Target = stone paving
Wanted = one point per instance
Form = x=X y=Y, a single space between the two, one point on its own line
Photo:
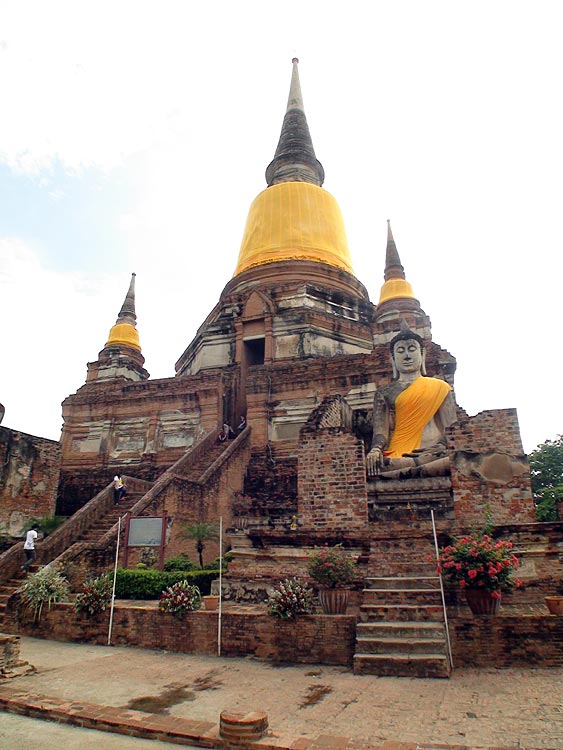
x=309 y=707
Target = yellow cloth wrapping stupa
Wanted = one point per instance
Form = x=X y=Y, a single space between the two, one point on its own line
x=294 y=221
x=124 y=333
x=414 y=408
x=395 y=288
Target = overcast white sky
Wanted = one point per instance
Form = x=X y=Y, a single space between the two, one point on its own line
x=134 y=137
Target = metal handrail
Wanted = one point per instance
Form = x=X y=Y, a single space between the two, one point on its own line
x=442 y=590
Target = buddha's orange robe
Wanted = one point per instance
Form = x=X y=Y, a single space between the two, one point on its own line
x=414 y=408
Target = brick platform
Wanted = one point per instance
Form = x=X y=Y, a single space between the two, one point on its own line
x=128 y=691
x=184 y=731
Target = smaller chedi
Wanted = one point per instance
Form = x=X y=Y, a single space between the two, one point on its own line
x=410 y=415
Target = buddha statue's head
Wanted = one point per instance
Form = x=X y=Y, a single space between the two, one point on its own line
x=408 y=354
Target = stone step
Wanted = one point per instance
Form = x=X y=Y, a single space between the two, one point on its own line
x=391 y=569
x=402 y=582
x=6 y=589
x=402 y=596
x=401 y=612
x=402 y=665
x=400 y=629
x=367 y=645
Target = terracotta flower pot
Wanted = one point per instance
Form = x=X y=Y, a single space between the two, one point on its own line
x=210 y=603
x=334 y=601
x=482 y=602
x=555 y=605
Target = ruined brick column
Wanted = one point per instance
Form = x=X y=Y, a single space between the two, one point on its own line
x=332 y=493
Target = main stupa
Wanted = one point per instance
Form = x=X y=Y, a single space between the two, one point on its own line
x=292 y=328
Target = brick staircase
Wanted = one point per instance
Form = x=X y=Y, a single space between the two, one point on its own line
x=401 y=631
x=203 y=461
x=6 y=591
x=104 y=523
x=95 y=523
x=93 y=533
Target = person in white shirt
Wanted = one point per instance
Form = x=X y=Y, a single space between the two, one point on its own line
x=29 y=549
x=118 y=488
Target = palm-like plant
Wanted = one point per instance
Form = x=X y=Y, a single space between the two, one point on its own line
x=201 y=533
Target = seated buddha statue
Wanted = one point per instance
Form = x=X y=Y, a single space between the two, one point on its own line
x=410 y=416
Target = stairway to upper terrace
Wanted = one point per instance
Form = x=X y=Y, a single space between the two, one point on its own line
x=93 y=528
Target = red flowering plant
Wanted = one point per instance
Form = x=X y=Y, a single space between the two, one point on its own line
x=180 y=598
x=289 y=598
x=477 y=561
x=331 y=567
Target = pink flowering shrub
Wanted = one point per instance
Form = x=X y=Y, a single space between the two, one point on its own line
x=477 y=561
x=180 y=598
x=291 y=597
x=330 y=567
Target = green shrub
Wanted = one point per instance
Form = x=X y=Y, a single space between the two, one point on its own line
x=227 y=557
x=46 y=524
x=132 y=583
x=180 y=562
x=48 y=586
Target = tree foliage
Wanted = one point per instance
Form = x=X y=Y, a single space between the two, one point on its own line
x=201 y=533
x=546 y=469
x=47 y=524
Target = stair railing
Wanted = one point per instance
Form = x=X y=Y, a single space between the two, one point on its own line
x=442 y=590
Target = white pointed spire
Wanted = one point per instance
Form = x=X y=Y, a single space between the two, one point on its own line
x=295 y=99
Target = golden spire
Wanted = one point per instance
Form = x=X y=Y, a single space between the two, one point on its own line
x=395 y=286
x=124 y=332
x=294 y=218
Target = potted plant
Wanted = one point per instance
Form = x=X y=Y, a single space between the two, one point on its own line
x=482 y=567
x=554 y=603
x=332 y=570
x=289 y=598
x=210 y=602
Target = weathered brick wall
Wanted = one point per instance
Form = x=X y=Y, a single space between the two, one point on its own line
x=491 y=430
x=139 y=428
x=271 y=482
x=515 y=641
x=9 y=652
x=29 y=475
x=331 y=471
x=189 y=502
x=489 y=469
x=502 y=641
x=474 y=497
x=257 y=569
x=311 y=639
